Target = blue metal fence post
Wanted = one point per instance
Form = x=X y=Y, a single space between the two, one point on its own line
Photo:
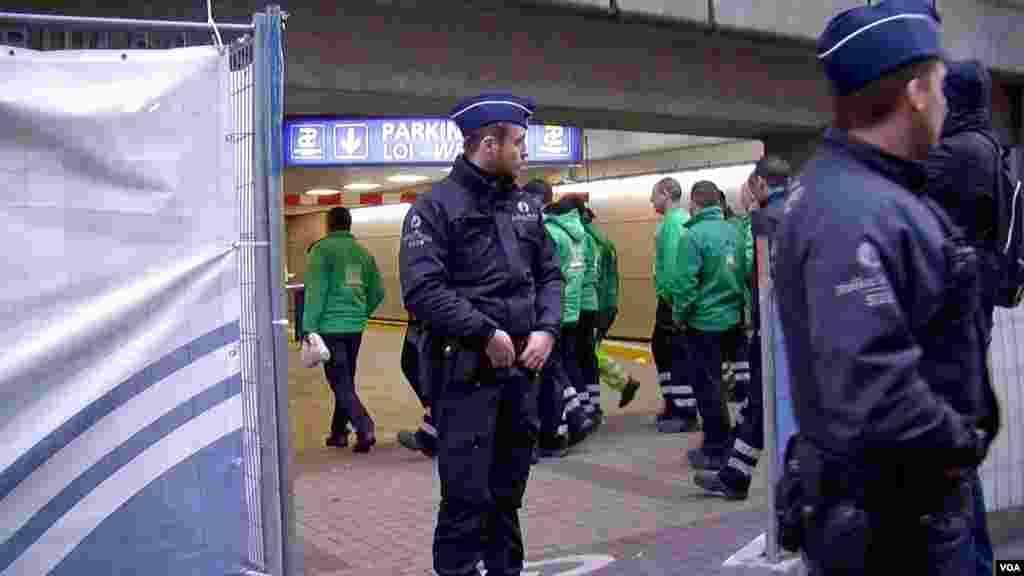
x=283 y=557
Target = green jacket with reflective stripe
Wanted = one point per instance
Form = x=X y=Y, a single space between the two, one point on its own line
x=568 y=234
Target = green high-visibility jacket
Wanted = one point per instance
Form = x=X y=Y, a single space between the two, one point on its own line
x=566 y=230
x=342 y=286
x=708 y=294
x=666 y=248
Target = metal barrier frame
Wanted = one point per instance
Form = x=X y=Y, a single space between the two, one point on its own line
x=260 y=250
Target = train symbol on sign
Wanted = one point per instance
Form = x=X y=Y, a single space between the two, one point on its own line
x=351 y=142
x=555 y=141
x=308 y=141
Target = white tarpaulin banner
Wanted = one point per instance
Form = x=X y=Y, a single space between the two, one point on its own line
x=120 y=406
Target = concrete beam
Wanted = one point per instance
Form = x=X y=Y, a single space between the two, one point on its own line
x=984 y=30
x=590 y=70
x=690 y=11
x=799 y=19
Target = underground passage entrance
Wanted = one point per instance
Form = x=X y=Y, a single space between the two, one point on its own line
x=378 y=166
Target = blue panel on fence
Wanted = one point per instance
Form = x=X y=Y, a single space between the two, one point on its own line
x=784 y=418
x=189 y=521
x=407 y=142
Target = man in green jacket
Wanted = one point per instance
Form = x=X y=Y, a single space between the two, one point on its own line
x=707 y=300
x=680 y=413
x=610 y=372
x=343 y=287
x=561 y=415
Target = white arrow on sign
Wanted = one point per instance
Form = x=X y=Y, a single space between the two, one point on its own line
x=350 y=144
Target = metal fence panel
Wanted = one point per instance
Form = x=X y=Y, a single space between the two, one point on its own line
x=253 y=97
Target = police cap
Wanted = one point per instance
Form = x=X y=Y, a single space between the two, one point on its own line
x=491 y=108
x=862 y=44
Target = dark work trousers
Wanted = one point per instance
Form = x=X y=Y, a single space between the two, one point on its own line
x=572 y=380
x=341 y=375
x=488 y=428
x=705 y=354
x=908 y=536
x=591 y=392
x=570 y=359
x=680 y=387
x=551 y=400
x=734 y=358
x=663 y=350
x=748 y=435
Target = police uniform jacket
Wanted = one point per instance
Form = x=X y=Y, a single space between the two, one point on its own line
x=475 y=257
x=887 y=368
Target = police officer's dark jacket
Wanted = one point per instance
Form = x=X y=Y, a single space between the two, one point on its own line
x=475 y=257
x=887 y=367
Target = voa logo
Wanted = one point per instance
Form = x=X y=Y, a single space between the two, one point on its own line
x=1010 y=567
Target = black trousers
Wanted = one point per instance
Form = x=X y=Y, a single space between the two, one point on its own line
x=666 y=360
x=567 y=345
x=748 y=441
x=706 y=376
x=587 y=358
x=341 y=375
x=488 y=427
x=572 y=382
x=551 y=400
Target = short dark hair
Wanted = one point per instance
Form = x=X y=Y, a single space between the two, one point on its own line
x=671 y=187
x=540 y=190
x=704 y=193
x=876 y=102
x=472 y=140
x=774 y=170
x=339 y=218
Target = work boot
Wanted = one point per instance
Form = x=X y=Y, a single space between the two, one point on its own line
x=418 y=442
x=668 y=423
x=364 y=443
x=337 y=441
x=701 y=460
x=712 y=482
x=557 y=449
x=629 y=392
x=585 y=429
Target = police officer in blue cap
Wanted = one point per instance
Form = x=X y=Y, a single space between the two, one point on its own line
x=479 y=271
x=877 y=290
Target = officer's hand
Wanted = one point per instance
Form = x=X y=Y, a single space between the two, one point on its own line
x=500 y=350
x=537 y=349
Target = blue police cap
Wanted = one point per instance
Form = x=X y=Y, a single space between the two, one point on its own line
x=491 y=108
x=863 y=44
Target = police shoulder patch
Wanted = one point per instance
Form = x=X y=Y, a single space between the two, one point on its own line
x=868 y=257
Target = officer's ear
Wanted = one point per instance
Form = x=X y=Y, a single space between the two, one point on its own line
x=919 y=90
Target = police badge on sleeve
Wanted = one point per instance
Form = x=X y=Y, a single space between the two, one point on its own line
x=412 y=235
